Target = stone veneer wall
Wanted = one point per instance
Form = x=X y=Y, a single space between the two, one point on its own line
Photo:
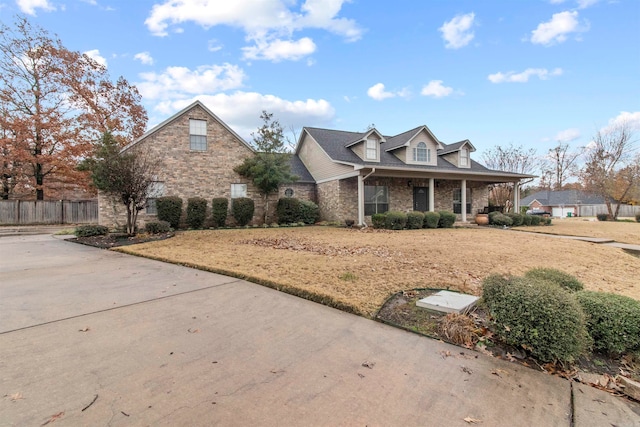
x=338 y=200
x=187 y=173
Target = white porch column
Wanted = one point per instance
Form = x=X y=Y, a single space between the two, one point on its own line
x=463 y=199
x=360 y=200
x=516 y=197
x=432 y=199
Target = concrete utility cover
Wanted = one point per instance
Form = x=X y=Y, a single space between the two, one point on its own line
x=448 y=302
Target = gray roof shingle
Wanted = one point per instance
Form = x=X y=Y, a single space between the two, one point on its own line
x=563 y=197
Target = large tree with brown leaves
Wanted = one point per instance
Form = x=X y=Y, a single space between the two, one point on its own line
x=56 y=103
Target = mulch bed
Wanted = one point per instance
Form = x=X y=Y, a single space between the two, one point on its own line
x=114 y=240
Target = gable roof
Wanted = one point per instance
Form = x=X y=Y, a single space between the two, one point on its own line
x=563 y=197
x=300 y=170
x=456 y=146
x=180 y=113
x=335 y=145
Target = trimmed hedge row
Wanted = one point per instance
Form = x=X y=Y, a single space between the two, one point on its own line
x=516 y=220
x=547 y=313
x=396 y=220
x=292 y=211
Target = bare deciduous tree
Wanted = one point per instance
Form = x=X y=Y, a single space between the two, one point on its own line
x=563 y=164
x=610 y=171
x=512 y=158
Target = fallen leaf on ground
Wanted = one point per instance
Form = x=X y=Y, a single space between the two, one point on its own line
x=193 y=331
x=85 y=329
x=445 y=354
x=472 y=420
x=467 y=370
x=369 y=365
x=53 y=418
x=16 y=396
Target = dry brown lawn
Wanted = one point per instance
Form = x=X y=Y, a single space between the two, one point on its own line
x=358 y=270
x=623 y=232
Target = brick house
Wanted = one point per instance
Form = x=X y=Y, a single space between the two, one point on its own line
x=350 y=175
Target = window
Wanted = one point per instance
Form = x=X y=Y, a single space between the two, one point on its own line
x=152 y=209
x=421 y=153
x=156 y=189
x=238 y=190
x=464 y=156
x=371 y=149
x=198 y=135
x=457 y=201
x=376 y=199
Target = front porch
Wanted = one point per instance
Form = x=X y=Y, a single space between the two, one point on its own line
x=358 y=197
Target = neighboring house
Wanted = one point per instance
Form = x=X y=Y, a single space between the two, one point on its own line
x=566 y=203
x=350 y=175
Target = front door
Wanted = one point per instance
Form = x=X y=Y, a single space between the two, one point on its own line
x=421 y=199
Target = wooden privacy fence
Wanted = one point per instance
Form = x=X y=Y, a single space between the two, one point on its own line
x=593 y=210
x=24 y=212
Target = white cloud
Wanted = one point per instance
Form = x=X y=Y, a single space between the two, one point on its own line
x=181 y=82
x=378 y=92
x=523 y=77
x=144 y=57
x=29 y=6
x=241 y=110
x=277 y=50
x=583 y=4
x=557 y=29
x=436 y=89
x=268 y=23
x=567 y=135
x=95 y=55
x=625 y=117
x=457 y=32
x=214 y=45
x=556 y=1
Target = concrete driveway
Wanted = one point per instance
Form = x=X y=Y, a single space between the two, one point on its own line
x=93 y=337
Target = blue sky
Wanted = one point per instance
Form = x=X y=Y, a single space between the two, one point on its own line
x=530 y=72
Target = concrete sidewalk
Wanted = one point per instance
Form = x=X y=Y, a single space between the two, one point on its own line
x=161 y=344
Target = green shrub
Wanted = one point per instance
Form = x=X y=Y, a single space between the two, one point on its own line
x=502 y=220
x=415 y=220
x=492 y=215
x=288 y=210
x=170 y=210
x=242 y=209
x=638 y=217
x=535 y=220
x=516 y=219
x=395 y=220
x=526 y=220
x=447 y=219
x=90 y=230
x=378 y=220
x=602 y=217
x=560 y=278
x=157 y=227
x=613 y=321
x=547 y=220
x=196 y=212
x=219 y=211
x=537 y=316
x=309 y=212
x=431 y=219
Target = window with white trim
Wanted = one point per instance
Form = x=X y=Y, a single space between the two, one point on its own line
x=156 y=189
x=421 y=153
x=464 y=156
x=371 y=149
x=376 y=199
x=197 y=135
x=457 y=201
x=238 y=190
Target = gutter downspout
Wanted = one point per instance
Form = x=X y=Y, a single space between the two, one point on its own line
x=361 y=197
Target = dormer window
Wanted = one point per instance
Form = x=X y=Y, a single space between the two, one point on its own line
x=464 y=156
x=371 y=152
x=421 y=153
